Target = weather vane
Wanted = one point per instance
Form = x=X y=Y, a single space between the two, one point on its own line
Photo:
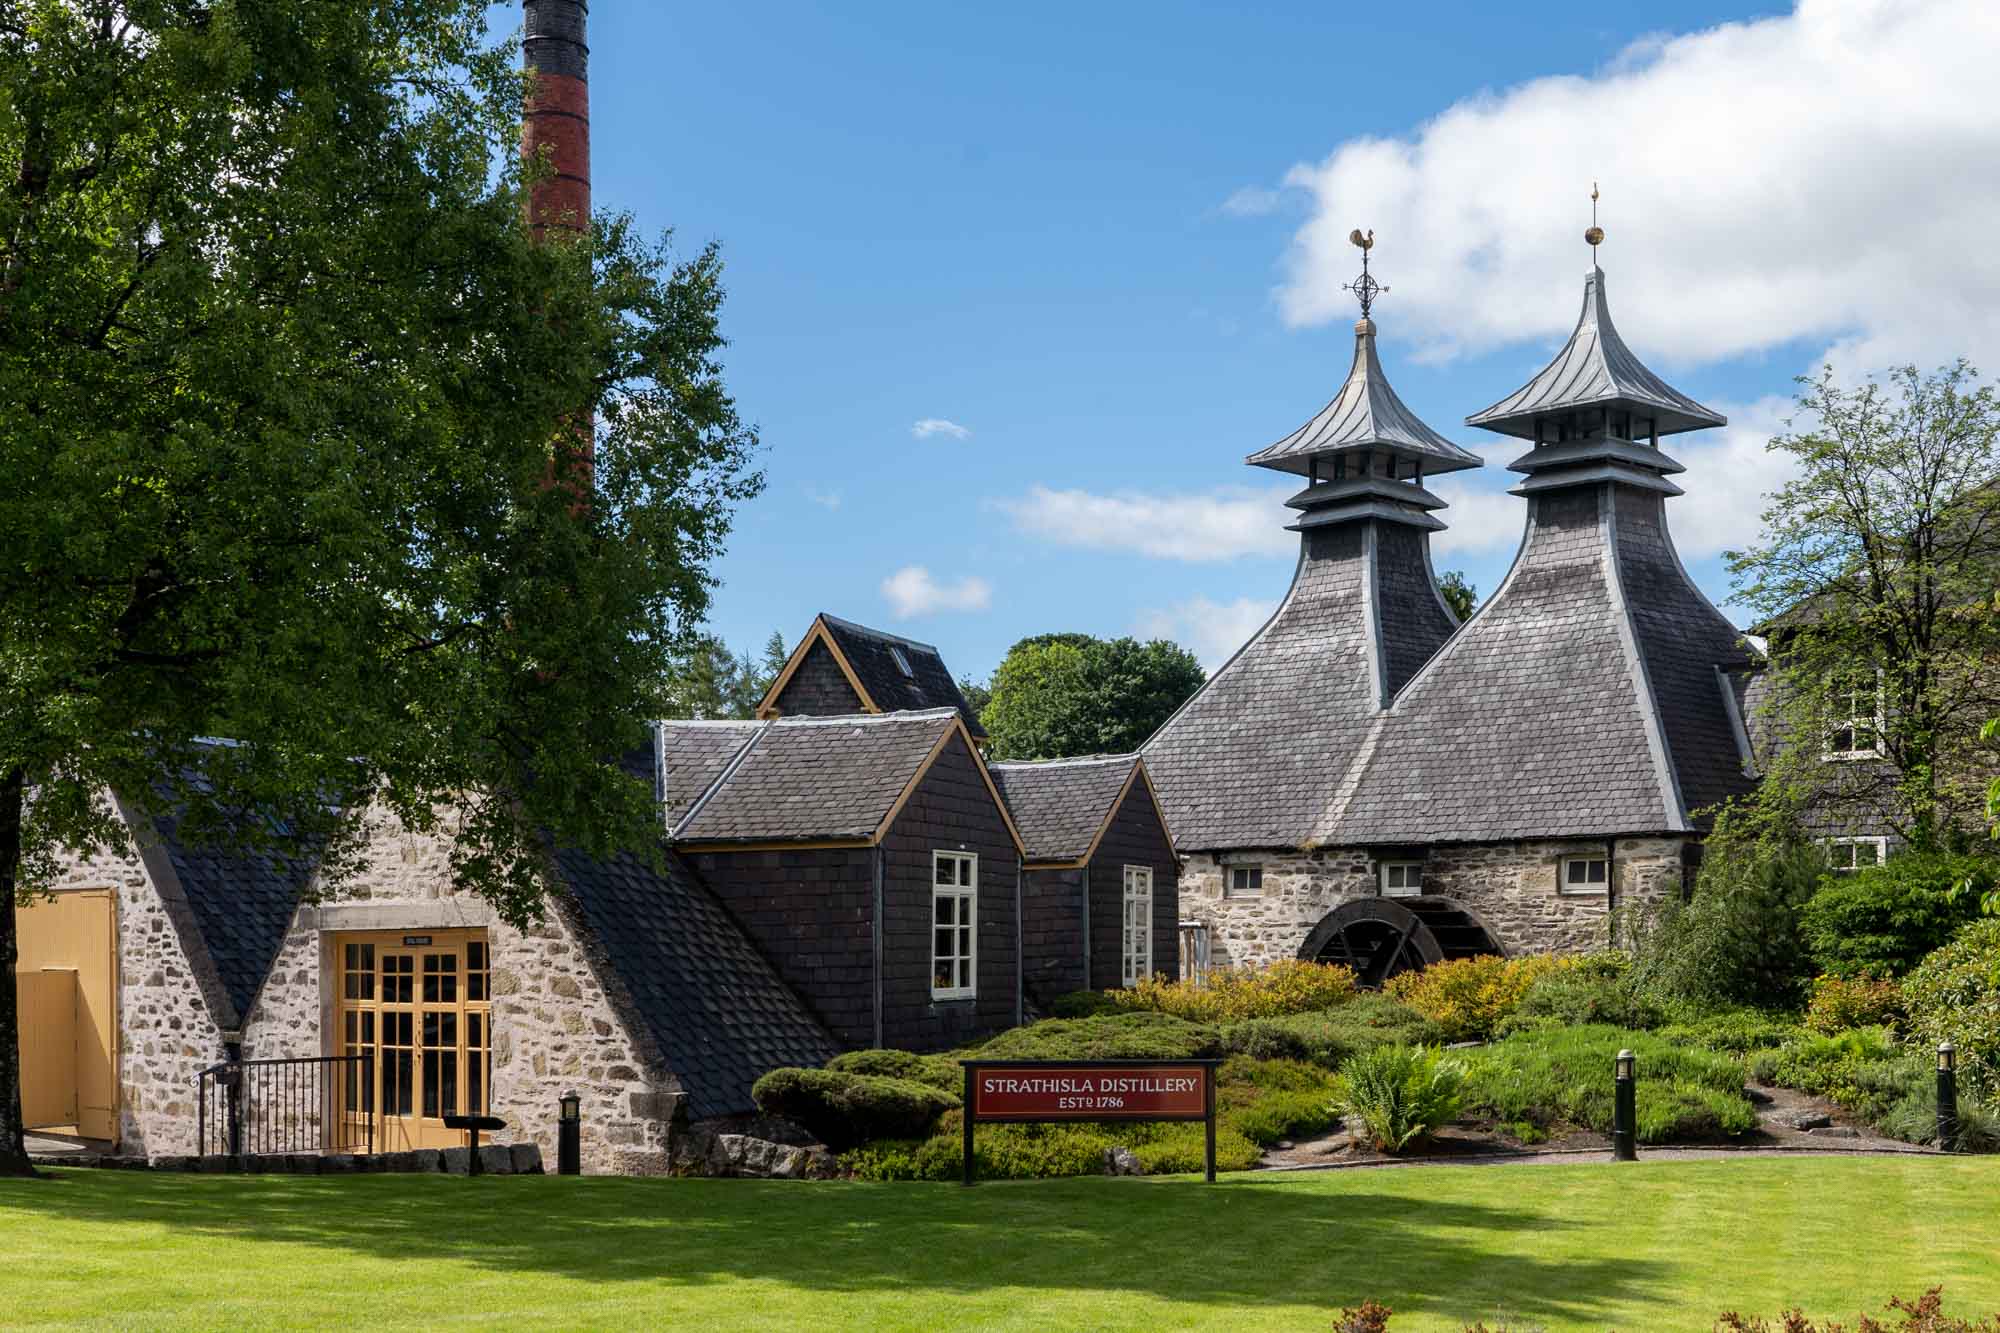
x=1364 y=286
x=1596 y=233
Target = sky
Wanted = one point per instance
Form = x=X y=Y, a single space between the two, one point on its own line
x=1013 y=290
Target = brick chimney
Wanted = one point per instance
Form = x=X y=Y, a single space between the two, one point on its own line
x=558 y=113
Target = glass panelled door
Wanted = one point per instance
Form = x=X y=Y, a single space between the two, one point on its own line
x=418 y=1004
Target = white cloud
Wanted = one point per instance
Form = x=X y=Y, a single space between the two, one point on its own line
x=1253 y=201
x=930 y=426
x=911 y=591
x=1479 y=521
x=1211 y=630
x=1729 y=477
x=1824 y=176
x=1221 y=524
x=824 y=499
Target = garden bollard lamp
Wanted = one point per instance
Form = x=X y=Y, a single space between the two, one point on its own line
x=1624 y=1109
x=1947 y=1097
x=569 y=1135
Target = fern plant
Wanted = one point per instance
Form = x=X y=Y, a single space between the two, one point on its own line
x=1401 y=1094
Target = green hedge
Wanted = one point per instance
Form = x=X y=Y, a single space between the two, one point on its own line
x=1954 y=995
x=843 y=1109
x=1595 y=989
x=1027 y=1152
x=1331 y=1037
x=1133 y=1036
x=1735 y=1031
x=939 y=1071
x=1550 y=1077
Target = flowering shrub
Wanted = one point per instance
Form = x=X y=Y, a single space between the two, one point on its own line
x=1840 y=1005
x=1291 y=986
x=1467 y=997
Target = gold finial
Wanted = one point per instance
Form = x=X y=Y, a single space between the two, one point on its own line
x=1364 y=286
x=1596 y=233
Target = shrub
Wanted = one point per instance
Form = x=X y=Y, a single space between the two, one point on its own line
x=1269 y=1100
x=1331 y=1037
x=1083 y=1004
x=939 y=1071
x=1595 y=989
x=1468 y=997
x=1289 y=986
x=1923 y=1315
x=1839 y=1005
x=1882 y=920
x=1738 y=940
x=1737 y=1031
x=1402 y=1093
x=1954 y=995
x=1913 y=1119
x=842 y=1109
x=1025 y=1152
x=1133 y=1036
x=1550 y=1077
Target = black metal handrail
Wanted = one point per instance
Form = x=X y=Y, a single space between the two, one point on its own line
x=313 y=1104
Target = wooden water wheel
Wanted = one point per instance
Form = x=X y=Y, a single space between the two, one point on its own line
x=1379 y=937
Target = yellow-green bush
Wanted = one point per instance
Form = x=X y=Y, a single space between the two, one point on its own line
x=1289 y=986
x=1841 y=1005
x=1467 y=997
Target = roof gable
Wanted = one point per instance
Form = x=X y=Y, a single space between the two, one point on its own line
x=1062 y=806
x=887 y=672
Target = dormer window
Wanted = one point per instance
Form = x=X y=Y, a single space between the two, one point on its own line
x=902 y=662
x=1855 y=716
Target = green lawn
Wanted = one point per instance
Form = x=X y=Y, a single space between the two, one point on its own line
x=1659 y=1245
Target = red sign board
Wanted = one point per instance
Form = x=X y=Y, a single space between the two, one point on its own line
x=1090 y=1092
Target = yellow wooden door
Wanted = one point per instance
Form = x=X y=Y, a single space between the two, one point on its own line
x=74 y=1044
x=48 y=1048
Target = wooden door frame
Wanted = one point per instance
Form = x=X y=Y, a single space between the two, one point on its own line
x=415 y=1130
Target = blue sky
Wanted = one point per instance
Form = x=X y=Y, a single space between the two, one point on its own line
x=1101 y=243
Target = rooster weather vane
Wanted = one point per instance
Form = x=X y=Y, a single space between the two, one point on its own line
x=1364 y=286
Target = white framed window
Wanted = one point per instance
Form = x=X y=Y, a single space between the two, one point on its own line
x=902 y=662
x=1856 y=717
x=1585 y=875
x=954 y=925
x=1402 y=879
x=1243 y=882
x=1847 y=855
x=1138 y=937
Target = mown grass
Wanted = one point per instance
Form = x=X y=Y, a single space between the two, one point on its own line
x=1656 y=1245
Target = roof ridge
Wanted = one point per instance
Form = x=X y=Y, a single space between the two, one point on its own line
x=859 y=719
x=709 y=722
x=1074 y=760
x=882 y=634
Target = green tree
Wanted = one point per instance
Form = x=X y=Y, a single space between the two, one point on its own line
x=281 y=382
x=977 y=694
x=1057 y=695
x=1459 y=594
x=1875 y=581
x=708 y=681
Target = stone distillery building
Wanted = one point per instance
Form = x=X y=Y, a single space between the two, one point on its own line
x=1369 y=781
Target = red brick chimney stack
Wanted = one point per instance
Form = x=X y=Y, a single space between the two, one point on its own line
x=558 y=113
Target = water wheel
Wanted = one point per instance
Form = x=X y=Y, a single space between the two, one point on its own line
x=1379 y=937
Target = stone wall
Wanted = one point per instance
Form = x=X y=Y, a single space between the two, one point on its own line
x=1509 y=887
x=166 y=1035
x=554 y=1027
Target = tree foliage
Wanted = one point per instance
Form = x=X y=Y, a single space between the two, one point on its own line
x=1059 y=695
x=283 y=385
x=1459 y=594
x=1876 y=580
x=709 y=681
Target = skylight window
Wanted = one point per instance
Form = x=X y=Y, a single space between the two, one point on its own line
x=902 y=662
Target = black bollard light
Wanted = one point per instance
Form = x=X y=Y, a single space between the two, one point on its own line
x=1947 y=1097
x=1625 y=1109
x=569 y=1135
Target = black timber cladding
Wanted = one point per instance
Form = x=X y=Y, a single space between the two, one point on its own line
x=1059 y=805
x=818 y=688
x=1052 y=933
x=1136 y=838
x=928 y=684
x=952 y=809
x=715 y=1008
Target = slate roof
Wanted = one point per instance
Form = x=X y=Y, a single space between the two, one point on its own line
x=815 y=778
x=1060 y=805
x=713 y=1006
x=1595 y=369
x=695 y=755
x=1253 y=759
x=928 y=684
x=1365 y=414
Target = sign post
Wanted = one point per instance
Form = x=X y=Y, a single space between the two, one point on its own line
x=1048 y=1091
